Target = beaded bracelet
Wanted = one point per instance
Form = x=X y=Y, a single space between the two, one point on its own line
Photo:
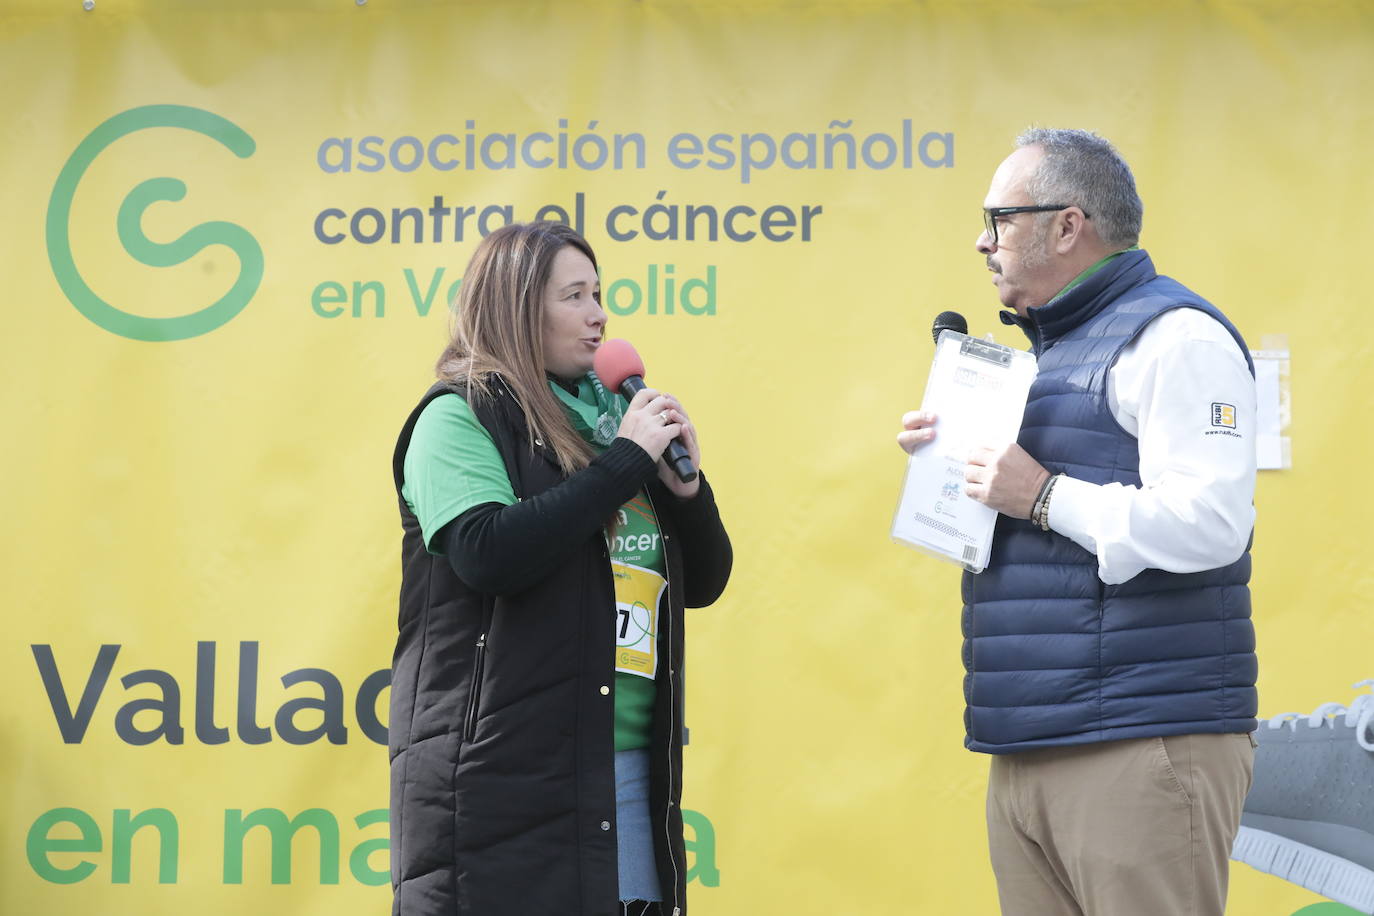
x=1040 y=512
x=1039 y=500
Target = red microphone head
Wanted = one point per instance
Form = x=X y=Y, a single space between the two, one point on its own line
x=616 y=361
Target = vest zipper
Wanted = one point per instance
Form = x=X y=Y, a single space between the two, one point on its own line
x=1038 y=340
x=475 y=692
x=672 y=703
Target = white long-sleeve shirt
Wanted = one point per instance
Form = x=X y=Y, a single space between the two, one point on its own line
x=1183 y=389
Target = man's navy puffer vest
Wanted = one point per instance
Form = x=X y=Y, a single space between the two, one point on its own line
x=1054 y=656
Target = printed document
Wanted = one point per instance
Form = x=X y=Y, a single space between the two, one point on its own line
x=977 y=391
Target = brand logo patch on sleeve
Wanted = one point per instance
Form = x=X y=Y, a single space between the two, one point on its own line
x=1223 y=415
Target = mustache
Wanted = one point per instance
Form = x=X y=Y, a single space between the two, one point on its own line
x=993 y=265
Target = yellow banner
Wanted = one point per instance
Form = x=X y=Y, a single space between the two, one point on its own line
x=232 y=234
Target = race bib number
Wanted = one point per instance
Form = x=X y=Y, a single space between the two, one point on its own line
x=637 y=591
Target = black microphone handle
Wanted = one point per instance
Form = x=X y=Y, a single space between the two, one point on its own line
x=676 y=453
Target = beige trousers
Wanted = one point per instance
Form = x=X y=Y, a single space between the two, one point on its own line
x=1141 y=827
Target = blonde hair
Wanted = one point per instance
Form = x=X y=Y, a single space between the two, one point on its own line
x=497 y=331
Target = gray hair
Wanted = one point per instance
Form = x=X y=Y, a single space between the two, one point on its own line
x=1084 y=170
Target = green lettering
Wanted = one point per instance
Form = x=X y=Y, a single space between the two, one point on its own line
x=611 y=297
x=358 y=864
x=423 y=303
x=708 y=287
x=40 y=845
x=328 y=293
x=282 y=831
x=703 y=844
x=121 y=843
x=378 y=297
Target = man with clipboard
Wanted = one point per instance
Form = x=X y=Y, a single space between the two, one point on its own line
x=1109 y=647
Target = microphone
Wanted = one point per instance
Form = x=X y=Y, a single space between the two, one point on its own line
x=948 y=321
x=620 y=369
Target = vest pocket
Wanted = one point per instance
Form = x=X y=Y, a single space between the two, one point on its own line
x=475 y=691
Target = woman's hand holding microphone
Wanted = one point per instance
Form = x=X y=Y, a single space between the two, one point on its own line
x=651 y=422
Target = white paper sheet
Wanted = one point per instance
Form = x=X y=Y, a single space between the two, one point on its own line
x=978 y=401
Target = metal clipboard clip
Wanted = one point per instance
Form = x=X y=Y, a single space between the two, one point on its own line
x=993 y=353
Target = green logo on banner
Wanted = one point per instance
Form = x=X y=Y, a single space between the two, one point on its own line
x=143 y=249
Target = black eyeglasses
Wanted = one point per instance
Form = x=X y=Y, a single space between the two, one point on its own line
x=991 y=214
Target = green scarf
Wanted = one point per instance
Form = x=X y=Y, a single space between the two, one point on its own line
x=1094 y=269
x=594 y=412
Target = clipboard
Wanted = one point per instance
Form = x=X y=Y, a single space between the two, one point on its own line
x=977 y=390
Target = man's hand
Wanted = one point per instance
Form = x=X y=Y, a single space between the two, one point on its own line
x=917 y=430
x=1007 y=479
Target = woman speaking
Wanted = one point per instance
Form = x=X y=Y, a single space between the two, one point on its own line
x=548 y=553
